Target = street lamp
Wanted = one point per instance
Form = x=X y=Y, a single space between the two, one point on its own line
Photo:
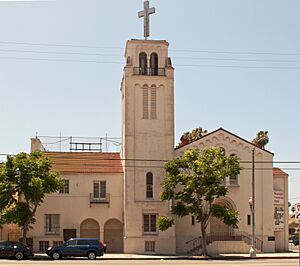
x=252 y=251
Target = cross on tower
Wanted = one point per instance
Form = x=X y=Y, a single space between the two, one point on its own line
x=146 y=13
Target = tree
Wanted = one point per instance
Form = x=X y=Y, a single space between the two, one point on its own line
x=188 y=137
x=25 y=179
x=261 y=139
x=194 y=181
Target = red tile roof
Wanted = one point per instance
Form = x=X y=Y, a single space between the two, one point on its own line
x=278 y=172
x=85 y=162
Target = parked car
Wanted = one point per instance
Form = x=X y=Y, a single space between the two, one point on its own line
x=77 y=247
x=17 y=250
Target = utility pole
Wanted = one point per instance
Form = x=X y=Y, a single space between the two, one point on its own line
x=252 y=251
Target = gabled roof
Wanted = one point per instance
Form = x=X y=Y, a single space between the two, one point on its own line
x=85 y=162
x=228 y=132
x=278 y=172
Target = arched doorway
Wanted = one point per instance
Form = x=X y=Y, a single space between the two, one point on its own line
x=218 y=230
x=113 y=236
x=90 y=228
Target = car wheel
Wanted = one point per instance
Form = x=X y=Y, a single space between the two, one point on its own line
x=55 y=255
x=19 y=255
x=92 y=255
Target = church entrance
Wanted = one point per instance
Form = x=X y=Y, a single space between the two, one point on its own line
x=113 y=236
x=218 y=230
x=90 y=228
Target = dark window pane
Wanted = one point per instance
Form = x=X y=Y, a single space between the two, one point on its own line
x=153 y=223
x=96 y=190
x=82 y=242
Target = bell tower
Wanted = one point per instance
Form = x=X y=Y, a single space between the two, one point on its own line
x=147 y=90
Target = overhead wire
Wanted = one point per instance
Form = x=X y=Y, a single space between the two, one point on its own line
x=172 y=50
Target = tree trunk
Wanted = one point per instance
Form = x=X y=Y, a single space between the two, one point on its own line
x=24 y=237
x=203 y=233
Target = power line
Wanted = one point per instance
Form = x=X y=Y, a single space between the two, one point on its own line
x=173 y=50
x=121 y=63
x=82 y=156
x=175 y=57
x=241 y=67
x=62 y=45
x=53 y=52
x=237 y=59
x=61 y=60
x=236 y=52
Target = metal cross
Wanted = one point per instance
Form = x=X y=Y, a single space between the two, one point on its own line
x=146 y=13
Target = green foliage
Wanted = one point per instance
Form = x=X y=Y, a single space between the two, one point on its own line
x=188 y=137
x=227 y=215
x=194 y=181
x=25 y=179
x=261 y=139
x=19 y=215
x=163 y=223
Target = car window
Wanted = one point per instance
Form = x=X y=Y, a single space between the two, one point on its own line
x=71 y=242
x=2 y=244
x=93 y=242
x=82 y=242
x=10 y=244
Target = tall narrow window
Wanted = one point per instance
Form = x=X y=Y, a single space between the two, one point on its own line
x=153 y=102
x=99 y=189
x=52 y=224
x=154 y=64
x=149 y=224
x=143 y=63
x=145 y=102
x=248 y=219
x=149 y=185
x=65 y=189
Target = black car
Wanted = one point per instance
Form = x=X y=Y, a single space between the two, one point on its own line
x=77 y=247
x=17 y=250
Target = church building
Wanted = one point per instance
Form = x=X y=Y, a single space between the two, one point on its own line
x=114 y=196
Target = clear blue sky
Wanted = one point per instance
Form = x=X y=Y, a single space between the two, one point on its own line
x=247 y=80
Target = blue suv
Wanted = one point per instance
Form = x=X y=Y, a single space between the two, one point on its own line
x=77 y=247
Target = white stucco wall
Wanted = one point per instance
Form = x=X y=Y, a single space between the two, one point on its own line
x=239 y=195
x=75 y=207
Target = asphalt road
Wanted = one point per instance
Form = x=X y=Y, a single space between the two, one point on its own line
x=85 y=262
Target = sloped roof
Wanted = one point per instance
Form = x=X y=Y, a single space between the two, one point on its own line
x=278 y=172
x=228 y=132
x=85 y=162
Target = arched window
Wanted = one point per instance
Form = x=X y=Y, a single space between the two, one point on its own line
x=154 y=64
x=149 y=185
x=143 y=63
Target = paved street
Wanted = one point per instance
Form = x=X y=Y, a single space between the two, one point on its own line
x=84 y=262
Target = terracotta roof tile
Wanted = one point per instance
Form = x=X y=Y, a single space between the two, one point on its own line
x=85 y=162
x=277 y=171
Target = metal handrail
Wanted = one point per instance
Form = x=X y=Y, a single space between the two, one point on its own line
x=99 y=199
x=225 y=236
x=149 y=71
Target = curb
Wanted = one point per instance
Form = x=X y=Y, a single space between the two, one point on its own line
x=45 y=257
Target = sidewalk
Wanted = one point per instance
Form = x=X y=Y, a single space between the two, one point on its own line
x=111 y=256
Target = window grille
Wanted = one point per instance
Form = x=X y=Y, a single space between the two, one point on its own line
x=65 y=189
x=150 y=246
